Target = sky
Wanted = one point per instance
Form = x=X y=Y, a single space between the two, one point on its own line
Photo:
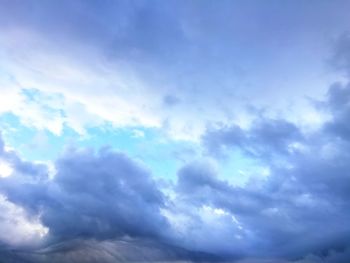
x=174 y=131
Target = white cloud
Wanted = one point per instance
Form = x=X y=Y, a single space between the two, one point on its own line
x=81 y=87
x=89 y=90
x=5 y=169
x=16 y=228
x=138 y=133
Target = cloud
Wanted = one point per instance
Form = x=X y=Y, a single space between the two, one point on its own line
x=298 y=212
x=301 y=207
x=111 y=251
x=98 y=207
x=340 y=59
x=338 y=105
x=17 y=228
x=265 y=139
x=106 y=195
x=126 y=63
x=153 y=65
x=279 y=218
x=171 y=100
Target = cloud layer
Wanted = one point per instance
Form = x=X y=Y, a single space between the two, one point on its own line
x=206 y=75
x=299 y=211
x=135 y=63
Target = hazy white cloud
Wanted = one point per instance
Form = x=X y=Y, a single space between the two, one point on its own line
x=118 y=74
x=17 y=229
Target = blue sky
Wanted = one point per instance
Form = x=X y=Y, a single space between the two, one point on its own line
x=208 y=130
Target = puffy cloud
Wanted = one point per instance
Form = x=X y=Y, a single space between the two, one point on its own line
x=106 y=195
x=299 y=212
x=97 y=207
x=281 y=217
x=301 y=207
x=17 y=228
x=80 y=68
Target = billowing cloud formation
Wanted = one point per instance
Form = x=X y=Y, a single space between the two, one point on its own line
x=91 y=198
x=94 y=196
x=131 y=63
x=306 y=191
x=299 y=212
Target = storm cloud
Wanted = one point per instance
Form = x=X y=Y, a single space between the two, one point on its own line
x=103 y=195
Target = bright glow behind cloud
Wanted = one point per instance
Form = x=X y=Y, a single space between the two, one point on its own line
x=17 y=229
x=5 y=169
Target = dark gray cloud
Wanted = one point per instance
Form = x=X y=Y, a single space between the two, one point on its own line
x=171 y=100
x=110 y=251
x=338 y=105
x=199 y=184
x=98 y=207
x=340 y=59
x=300 y=211
x=302 y=207
x=294 y=213
x=266 y=139
x=103 y=195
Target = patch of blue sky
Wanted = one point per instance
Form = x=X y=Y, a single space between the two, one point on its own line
x=239 y=169
x=163 y=157
x=49 y=102
x=30 y=143
x=160 y=154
